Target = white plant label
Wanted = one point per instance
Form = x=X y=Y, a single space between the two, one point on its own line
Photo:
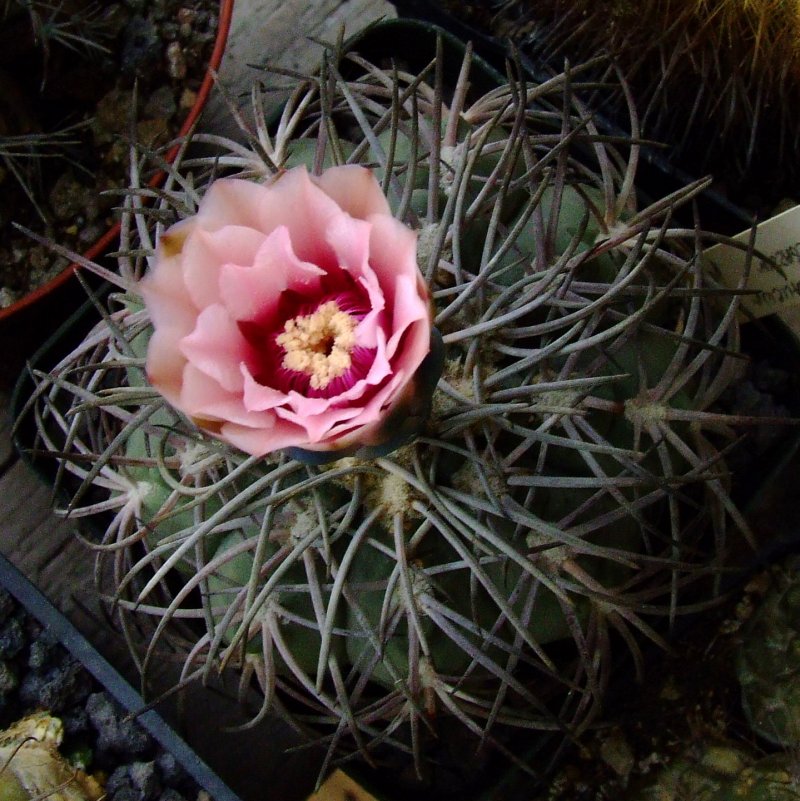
x=776 y=281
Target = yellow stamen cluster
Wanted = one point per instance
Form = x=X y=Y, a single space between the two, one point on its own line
x=319 y=344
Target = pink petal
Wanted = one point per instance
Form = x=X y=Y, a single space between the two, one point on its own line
x=409 y=308
x=318 y=426
x=205 y=252
x=349 y=239
x=231 y=201
x=217 y=347
x=361 y=429
x=354 y=189
x=371 y=327
x=208 y=400
x=252 y=292
x=305 y=406
x=367 y=331
x=165 y=362
x=392 y=253
x=294 y=201
x=259 y=442
x=163 y=288
x=291 y=199
x=257 y=397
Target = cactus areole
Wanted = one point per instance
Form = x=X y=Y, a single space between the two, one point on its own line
x=410 y=408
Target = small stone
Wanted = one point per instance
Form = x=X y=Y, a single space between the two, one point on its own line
x=42 y=650
x=161 y=103
x=791 y=599
x=115 y=734
x=9 y=680
x=57 y=688
x=176 y=61
x=90 y=233
x=40 y=259
x=112 y=116
x=758 y=585
x=7 y=605
x=172 y=772
x=8 y=297
x=75 y=721
x=170 y=31
x=186 y=15
x=188 y=99
x=724 y=760
x=152 y=132
x=144 y=780
x=42 y=265
x=170 y=794
x=117 y=780
x=670 y=691
x=617 y=754
x=12 y=638
x=141 y=46
x=124 y=794
x=159 y=9
x=68 y=197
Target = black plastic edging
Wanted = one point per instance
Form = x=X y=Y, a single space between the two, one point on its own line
x=69 y=636
x=498 y=50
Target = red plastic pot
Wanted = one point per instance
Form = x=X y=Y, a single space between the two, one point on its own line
x=25 y=324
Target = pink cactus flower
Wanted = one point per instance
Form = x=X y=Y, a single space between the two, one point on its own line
x=290 y=314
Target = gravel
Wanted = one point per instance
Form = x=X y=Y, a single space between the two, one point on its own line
x=37 y=673
x=162 y=46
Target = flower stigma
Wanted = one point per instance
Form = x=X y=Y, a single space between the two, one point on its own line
x=319 y=344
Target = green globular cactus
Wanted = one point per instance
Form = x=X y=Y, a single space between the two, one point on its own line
x=724 y=773
x=768 y=661
x=566 y=494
